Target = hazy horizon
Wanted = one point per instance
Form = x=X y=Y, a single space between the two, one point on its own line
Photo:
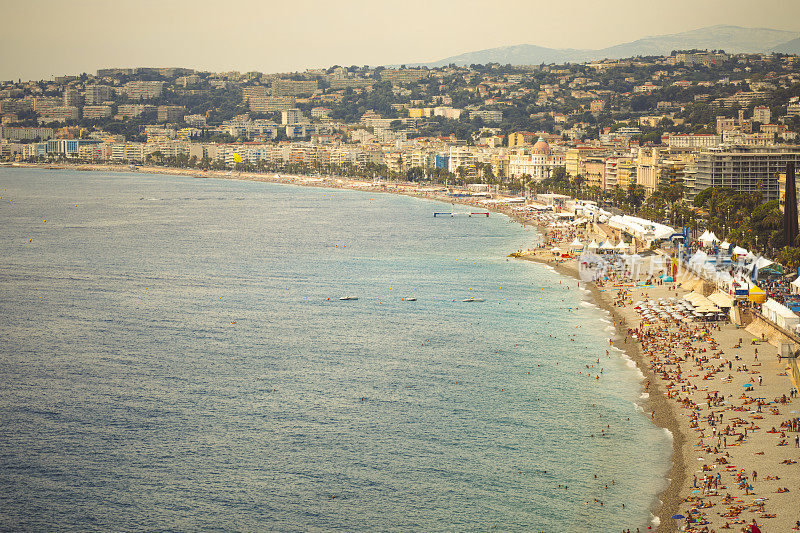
x=51 y=38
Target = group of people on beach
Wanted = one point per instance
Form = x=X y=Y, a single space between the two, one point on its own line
x=691 y=365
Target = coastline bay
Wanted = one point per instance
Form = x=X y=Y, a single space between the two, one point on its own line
x=172 y=360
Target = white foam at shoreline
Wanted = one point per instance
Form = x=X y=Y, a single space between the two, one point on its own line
x=644 y=396
x=631 y=364
x=654 y=520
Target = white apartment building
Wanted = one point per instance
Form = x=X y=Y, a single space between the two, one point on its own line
x=536 y=164
x=488 y=116
x=128 y=151
x=762 y=114
x=447 y=112
x=467 y=157
x=59 y=114
x=143 y=90
x=291 y=116
x=693 y=140
x=96 y=111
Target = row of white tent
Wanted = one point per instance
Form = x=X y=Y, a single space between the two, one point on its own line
x=642 y=229
x=780 y=314
x=706 y=265
x=606 y=246
x=708 y=238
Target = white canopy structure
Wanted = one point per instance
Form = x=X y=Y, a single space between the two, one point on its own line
x=641 y=228
x=722 y=300
x=738 y=250
x=780 y=314
x=592 y=245
x=725 y=245
x=622 y=246
x=607 y=245
x=576 y=244
x=708 y=238
x=794 y=286
x=759 y=263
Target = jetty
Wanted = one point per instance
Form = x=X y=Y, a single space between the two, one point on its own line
x=463 y=214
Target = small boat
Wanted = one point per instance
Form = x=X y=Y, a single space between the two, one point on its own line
x=349 y=298
x=412 y=299
x=474 y=300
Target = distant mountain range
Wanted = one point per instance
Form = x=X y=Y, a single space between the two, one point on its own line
x=731 y=39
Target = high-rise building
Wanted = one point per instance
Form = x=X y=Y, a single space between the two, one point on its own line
x=134 y=110
x=744 y=169
x=293 y=87
x=269 y=104
x=521 y=138
x=291 y=116
x=25 y=134
x=488 y=116
x=171 y=113
x=408 y=75
x=96 y=111
x=762 y=114
x=254 y=91
x=73 y=97
x=43 y=103
x=97 y=94
x=143 y=90
x=59 y=114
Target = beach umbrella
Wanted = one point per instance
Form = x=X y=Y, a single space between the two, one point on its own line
x=678 y=517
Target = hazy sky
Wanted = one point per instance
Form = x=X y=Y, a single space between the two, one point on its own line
x=42 y=38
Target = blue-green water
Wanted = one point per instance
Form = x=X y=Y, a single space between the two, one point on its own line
x=175 y=356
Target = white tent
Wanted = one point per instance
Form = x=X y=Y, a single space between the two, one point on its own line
x=699 y=257
x=780 y=314
x=607 y=245
x=708 y=238
x=592 y=245
x=725 y=245
x=759 y=263
x=576 y=243
x=738 y=250
x=795 y=286
x=622 y=245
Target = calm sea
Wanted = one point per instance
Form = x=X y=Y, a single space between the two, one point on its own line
x=175 y=356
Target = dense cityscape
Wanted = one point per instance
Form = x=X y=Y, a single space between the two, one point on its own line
x=636 y=134
x=260 y=281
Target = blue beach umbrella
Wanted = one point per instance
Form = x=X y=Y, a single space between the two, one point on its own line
x=678 y=516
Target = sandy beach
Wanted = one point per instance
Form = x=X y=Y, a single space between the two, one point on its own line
x=718 y=388
x=725 y=396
